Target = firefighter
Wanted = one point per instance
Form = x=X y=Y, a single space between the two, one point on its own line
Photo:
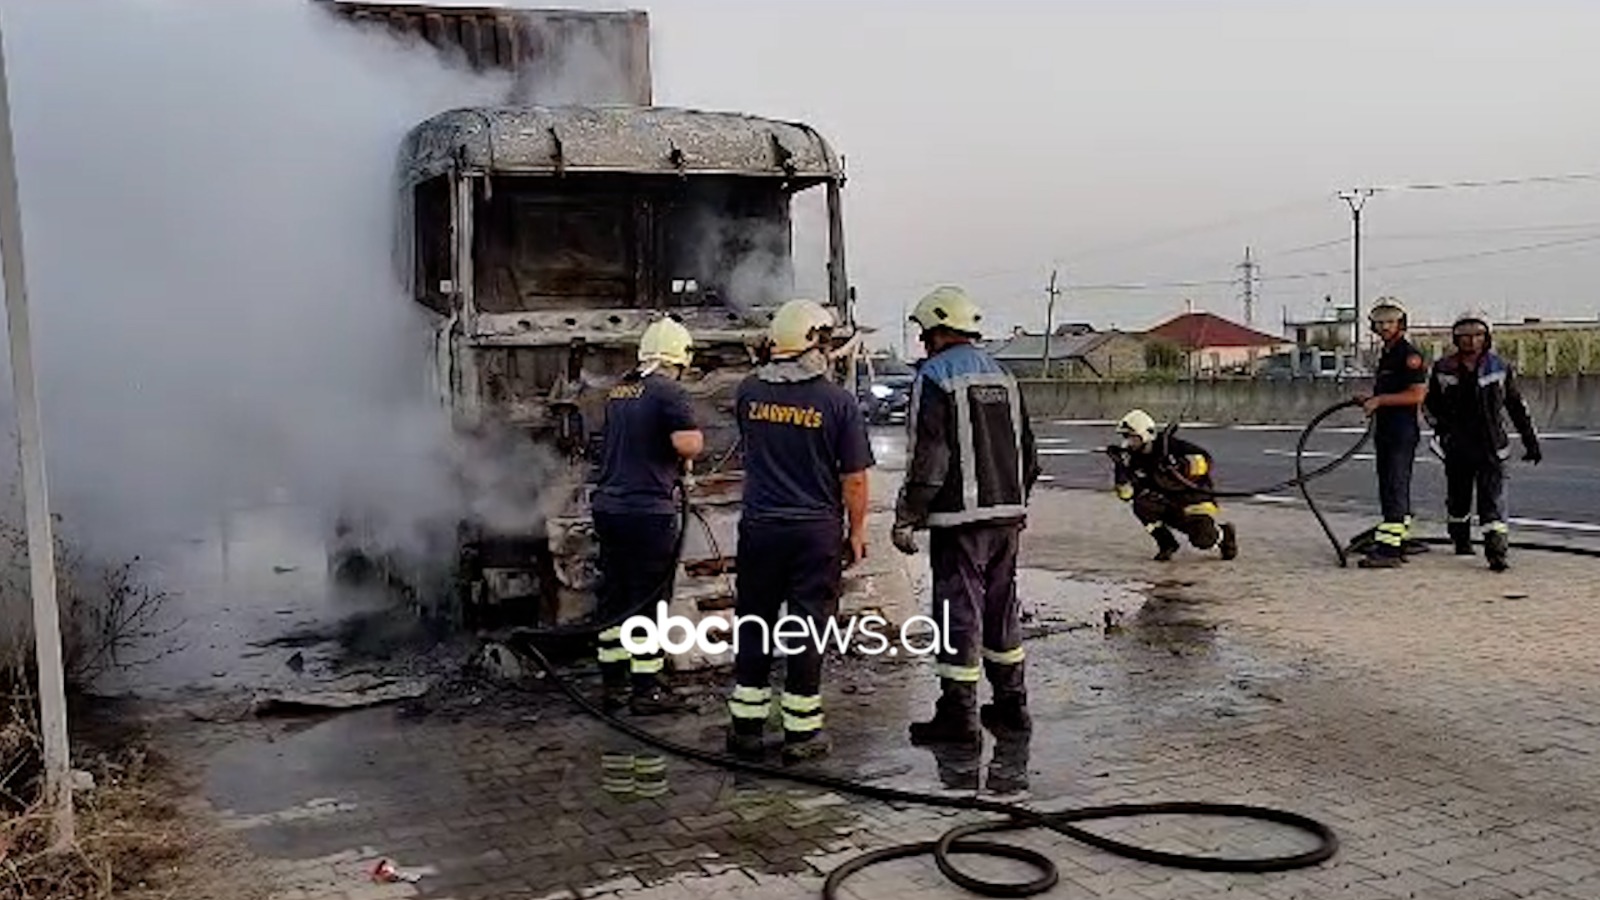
x=1469 y=395
x=1168 y=480
x=650 y=437
x=971 y=468
x=1398 y=389
x=806 y=456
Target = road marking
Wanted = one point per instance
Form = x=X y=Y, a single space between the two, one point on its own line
x=1047 y=477
x=1064 y=451
x=1314 y=454
x=1084 y=422
x=1270 y=498
x=1554 y=525
x=1269 y=428
x=1053 y=440
x=1569 y=436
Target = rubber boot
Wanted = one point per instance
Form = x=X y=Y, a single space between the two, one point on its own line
x=614 y=681
x=799 y=746
x=1007 y=715
x=746 y=738
x=1166 y=544
x=652 y=697
x=1229 y=544
x=954 y=721
x=1495 y=547
x=1461 y=536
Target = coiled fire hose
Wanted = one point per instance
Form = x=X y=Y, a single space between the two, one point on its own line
x=1012 y=817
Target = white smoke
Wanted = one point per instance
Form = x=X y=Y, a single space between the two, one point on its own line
x=208 y=206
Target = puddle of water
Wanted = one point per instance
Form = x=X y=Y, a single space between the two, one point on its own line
x=257 y=577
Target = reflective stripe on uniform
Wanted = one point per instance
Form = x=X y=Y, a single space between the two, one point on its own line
x=802 y=712
x=611 y=635
x=1496 y=528
x=1460 y=520
x=1201 y=509
x=614 y=654
x=1004 y=657
x=750 y=702
x=1198 y=466
x=1153 y=527
x=1124 y=492
x=958 y=673
x=643 y=665
x=1391 y=533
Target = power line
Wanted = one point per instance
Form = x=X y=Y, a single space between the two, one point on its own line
x=1573 y=178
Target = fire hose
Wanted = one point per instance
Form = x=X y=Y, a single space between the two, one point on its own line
x=962 y=840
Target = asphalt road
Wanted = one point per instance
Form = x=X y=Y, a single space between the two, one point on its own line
x=1562 y=493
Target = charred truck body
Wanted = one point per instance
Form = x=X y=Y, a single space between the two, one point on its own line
x=543 y=237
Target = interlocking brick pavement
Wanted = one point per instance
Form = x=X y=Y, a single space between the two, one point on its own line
x=1445 y=730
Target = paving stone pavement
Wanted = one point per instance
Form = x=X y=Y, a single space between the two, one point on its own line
x=1449 y=740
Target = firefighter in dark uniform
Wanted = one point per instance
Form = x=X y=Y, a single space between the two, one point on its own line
x=1398 y=389
x=1470 y=393
x=971 y=466
x=806 y=456
x=1168 y=480
x=650 y=436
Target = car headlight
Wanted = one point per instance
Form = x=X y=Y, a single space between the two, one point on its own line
x=882 y=391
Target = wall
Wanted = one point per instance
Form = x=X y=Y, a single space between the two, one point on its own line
x=1569 y=402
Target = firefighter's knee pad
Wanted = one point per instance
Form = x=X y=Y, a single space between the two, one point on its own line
x=1203 y=532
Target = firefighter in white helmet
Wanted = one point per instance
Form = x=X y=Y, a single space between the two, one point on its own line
x=650 y=436
x=1471 y=393
x=971 y=468
x=1399 y=387
x=803 y=520
x=1169 y=482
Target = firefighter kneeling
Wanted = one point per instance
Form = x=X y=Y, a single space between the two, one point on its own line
x=1168 y=480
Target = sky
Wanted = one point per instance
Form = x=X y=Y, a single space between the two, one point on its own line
x=208 y=216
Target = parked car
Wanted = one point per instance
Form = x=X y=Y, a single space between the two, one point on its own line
x=885 y=391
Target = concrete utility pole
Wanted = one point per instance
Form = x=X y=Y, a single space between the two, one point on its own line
x=1356 y=198
x=1049 y=323
x=1249 y=267
x=35 y=496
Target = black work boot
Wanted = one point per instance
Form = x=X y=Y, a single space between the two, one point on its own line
x=953 y=720
x=1379 y=559
x=1007 y=715
x=1461 y=536
x=746 y=738
x=1166 y=544
x=652 y=697
x=1230 y=541
x=614 y=690
x=799 y=746
x=1495 y=547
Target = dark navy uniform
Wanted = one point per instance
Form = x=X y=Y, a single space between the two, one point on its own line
x=634 y=515
x=971 y=467
x=800 y=438
x=1171 y=487
x=1396 y=432
x=1467 y=405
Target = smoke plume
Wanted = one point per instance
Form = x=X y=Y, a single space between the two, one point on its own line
x=208 y=208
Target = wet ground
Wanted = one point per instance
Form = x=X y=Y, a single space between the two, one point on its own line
x=1452 y=758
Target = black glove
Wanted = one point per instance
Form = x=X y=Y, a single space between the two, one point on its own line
x=1531 y=452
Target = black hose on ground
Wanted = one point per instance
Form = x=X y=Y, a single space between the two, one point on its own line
x=1013 y=817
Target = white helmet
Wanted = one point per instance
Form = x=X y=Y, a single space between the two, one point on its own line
x=950 y=307
x=1137 y=423
x=798 y=326
x=1385 y=308
x=665 y=341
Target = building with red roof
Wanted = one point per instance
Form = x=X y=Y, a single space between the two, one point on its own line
x=1211 y=344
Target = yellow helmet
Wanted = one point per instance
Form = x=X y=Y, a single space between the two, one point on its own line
x=1138 y=423
x=948 y=306
x=798 y=326
x=665 y=341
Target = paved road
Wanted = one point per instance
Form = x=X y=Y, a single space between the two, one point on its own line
x=1561 y=493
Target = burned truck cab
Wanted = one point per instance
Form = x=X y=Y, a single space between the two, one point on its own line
x=542 y=240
